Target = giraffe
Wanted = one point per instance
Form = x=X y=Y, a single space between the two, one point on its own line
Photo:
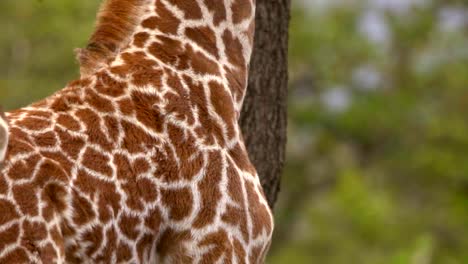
x=141 y=159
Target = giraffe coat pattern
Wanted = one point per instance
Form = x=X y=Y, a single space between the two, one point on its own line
x=141 y=160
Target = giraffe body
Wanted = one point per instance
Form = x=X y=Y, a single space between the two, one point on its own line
x=141 y=160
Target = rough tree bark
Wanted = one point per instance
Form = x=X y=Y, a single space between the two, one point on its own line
x=264 y=115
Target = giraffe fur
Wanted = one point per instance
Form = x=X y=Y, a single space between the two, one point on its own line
x=116 y=21
x=140 y=160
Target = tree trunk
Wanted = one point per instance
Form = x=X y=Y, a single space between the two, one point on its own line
x=264 y=114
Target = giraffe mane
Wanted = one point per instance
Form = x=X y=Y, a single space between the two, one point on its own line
x=116 y=22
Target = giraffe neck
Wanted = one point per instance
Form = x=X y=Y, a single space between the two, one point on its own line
x=212 y=38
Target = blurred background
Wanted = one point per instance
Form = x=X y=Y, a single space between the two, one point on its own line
x=377 y=161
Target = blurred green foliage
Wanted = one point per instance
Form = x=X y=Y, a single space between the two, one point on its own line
x=36 y=46
x=377 y=165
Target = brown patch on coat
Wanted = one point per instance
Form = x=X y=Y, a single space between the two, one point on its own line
x=166 y=21
x=124 y=253
x=55 y=168
x=185 y=150
x=25 y=197
x=139 y=193
x=180 y=106
x=47 y=139
x=98 y=162
x=98 y=102
x=48 y=253
x=220 y=245
x=3 y=183
x=33 y=123
x=236 y=216
x=128 y=224
x=210 y=193
x=140 y=39
x=136 y=139
x=148 y=77
x=68 y=122
x=261 y=219
x=171 y=247
x=190 y=8
x=33 y=232
x=209 y=130
x=54 y=195
x=241 y=159
x=9 y=212
x=144 y=245
x=218 y=9
x=205 y=37
x=223 y=104
x=236 y=75
x=109 y=249
x=241 y=10
x=96 y=134
x=82 y=210
x=71 y=145
x=169 y=51
x=179 y=202
x=24 y=169
x=112 y=125
x=18 y=255
x=107 y=85
x=200 y=63
x=9 y=235
x=239 y=251
x=147 y=114
x=154 y=220
x=104 y=192
x=256 y=255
